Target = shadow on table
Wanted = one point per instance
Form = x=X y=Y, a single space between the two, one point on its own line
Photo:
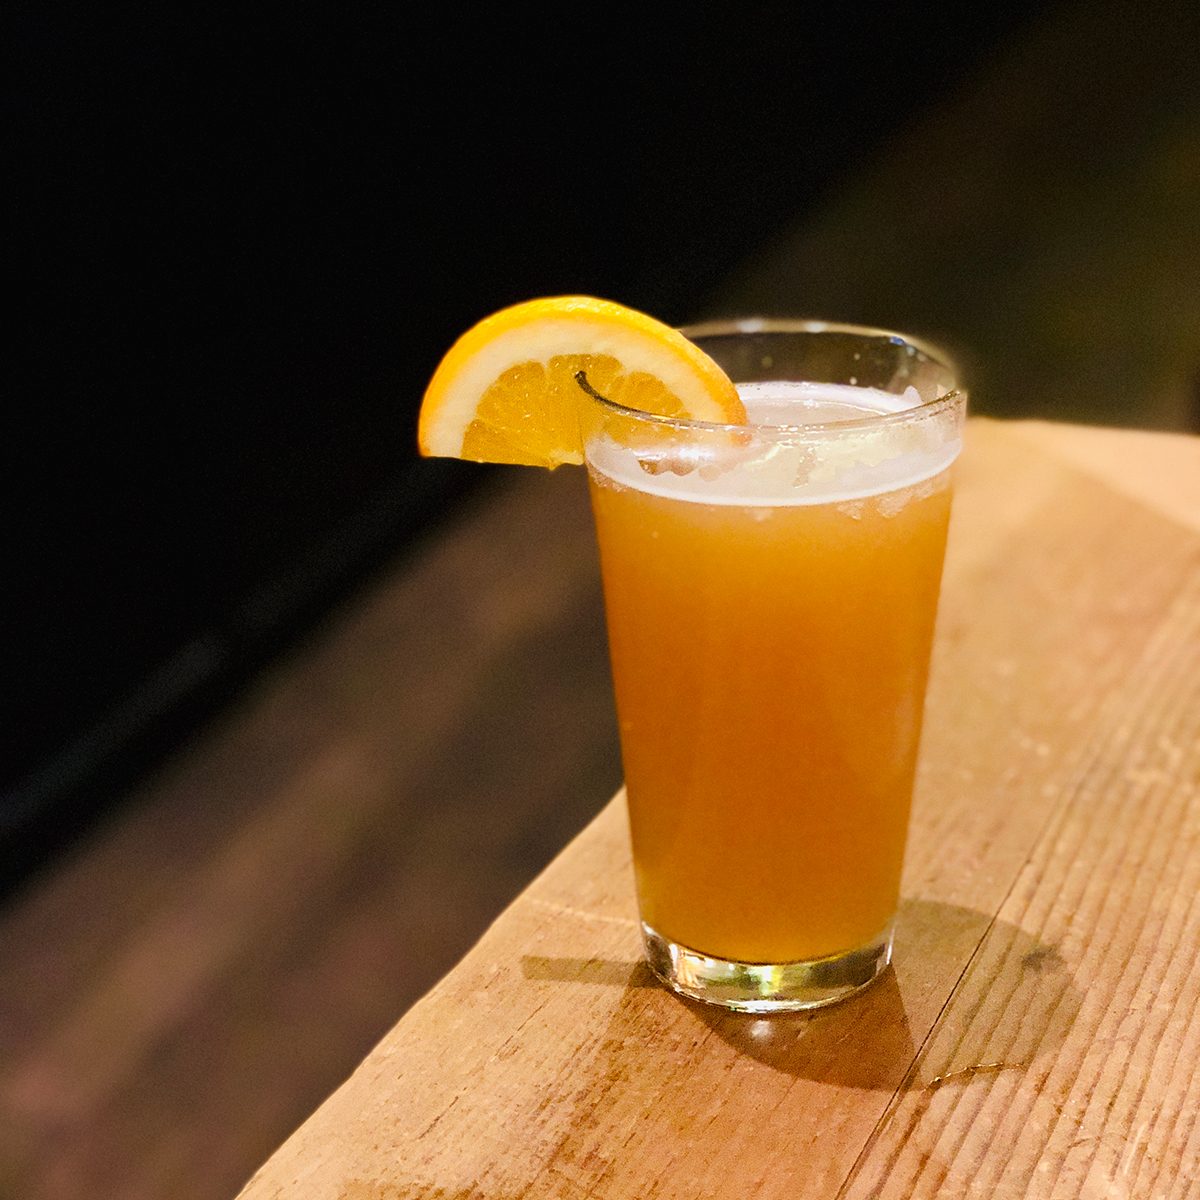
x=660 y=1086
x=867 y=1042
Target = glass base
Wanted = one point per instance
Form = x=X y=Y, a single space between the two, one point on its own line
x=766 y=987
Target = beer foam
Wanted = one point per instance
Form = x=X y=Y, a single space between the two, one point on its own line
x=812 y=466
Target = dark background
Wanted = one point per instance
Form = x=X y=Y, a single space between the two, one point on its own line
x=241 y=246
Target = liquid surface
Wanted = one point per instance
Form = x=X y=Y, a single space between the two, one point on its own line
x=773 y=465
x=769 y=656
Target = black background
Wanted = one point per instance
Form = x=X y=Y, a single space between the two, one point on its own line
x=241 y=245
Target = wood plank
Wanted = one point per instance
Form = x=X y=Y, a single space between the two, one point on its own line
x=1080 y=1058
x=548 y=1065
x=181 y=992
x=1136 y=463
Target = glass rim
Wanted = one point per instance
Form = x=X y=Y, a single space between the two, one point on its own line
x=752 y=325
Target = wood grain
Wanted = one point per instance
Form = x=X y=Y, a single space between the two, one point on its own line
x=1037 y=1036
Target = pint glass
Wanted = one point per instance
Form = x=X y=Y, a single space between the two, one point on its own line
x=770 y=594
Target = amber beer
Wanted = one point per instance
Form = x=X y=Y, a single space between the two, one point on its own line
x=770 y=596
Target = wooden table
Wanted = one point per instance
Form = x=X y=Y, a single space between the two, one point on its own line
x=1039 y=1034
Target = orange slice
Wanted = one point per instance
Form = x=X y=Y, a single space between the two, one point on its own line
x=506 y=391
